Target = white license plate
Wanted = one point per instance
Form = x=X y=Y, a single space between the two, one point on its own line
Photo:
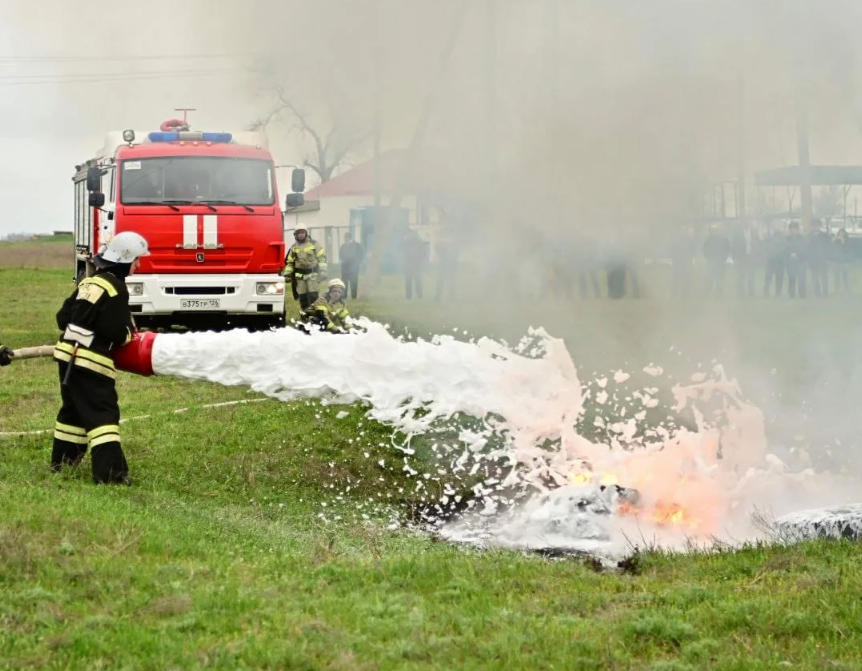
x=200 y=304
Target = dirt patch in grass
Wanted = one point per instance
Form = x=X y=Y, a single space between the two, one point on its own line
x=51 y=256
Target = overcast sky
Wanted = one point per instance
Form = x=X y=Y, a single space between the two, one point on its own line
x=125 y=76
x=638 y=85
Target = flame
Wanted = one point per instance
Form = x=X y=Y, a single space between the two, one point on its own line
x=586 y=477
x=673 y=515
x=582 y=478
x=662 y=514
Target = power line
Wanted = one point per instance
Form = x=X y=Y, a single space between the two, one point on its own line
x=77 y=59
x=131 y=77
x=90 y=75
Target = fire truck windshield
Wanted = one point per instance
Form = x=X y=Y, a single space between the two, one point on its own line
x=196 y=179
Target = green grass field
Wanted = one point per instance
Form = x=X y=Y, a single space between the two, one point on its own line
x=238 y=547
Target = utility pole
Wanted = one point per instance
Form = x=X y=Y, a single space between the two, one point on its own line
x=553 y=58
x=378 y=91
x=741 y=150
x=801 y=80
x=802 y=147
x=490 y=104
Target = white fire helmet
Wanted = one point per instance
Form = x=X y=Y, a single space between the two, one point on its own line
x=125 y=248
x=335 y=282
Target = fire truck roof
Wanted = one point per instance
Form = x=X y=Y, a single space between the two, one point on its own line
x=154 y=150
x=249 y=144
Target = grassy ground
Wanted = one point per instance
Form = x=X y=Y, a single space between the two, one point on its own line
x=240 y=545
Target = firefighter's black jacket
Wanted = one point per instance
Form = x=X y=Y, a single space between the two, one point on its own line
x=99 y=304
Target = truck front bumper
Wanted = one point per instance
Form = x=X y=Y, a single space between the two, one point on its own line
x=156 y=295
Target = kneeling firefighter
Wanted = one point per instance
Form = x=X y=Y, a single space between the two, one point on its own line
x=329 y=312
x=95 y=319
x=305 y=267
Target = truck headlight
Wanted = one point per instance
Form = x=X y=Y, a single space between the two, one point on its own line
x=135 y=289
x=270 y=289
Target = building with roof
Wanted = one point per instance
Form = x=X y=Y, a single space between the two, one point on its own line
x=428 y=186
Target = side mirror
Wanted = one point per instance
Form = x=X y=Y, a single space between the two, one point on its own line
x=94 y=179
x=294 y=200
x=297 y=180
x=96 y=200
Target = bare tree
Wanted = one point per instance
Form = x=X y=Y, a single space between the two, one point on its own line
x=828 y=202
x=334 y=142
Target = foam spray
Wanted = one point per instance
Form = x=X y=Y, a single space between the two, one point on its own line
x=696 y=480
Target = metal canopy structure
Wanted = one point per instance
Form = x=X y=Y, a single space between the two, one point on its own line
x=821 y=175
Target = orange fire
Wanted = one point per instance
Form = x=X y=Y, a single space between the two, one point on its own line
x=671 y=515
x=585 y=478
x=662 y=515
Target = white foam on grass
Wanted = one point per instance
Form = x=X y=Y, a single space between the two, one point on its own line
x=696 y=483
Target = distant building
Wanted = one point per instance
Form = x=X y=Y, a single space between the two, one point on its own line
x=425 y=188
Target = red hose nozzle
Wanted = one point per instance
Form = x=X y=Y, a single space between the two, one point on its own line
x=136 y=356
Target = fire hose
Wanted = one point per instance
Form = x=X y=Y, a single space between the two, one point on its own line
x=134 y=357
x=33 y=352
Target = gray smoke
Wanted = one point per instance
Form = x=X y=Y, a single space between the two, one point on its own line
x=609 y=117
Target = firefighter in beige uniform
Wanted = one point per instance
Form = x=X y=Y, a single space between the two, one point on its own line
x=305 y=267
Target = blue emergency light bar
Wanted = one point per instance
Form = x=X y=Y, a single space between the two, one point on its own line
x=177 y=136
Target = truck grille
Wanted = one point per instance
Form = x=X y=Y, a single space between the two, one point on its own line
x=200 y=291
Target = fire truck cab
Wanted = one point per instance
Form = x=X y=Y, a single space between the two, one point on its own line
x=207 y=203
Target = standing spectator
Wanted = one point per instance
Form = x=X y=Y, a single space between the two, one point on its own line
x=536 y=269
x=614 y=258
x=841 y=256
x=682 y=253
x=742 y=250
x=634 y=257
x=447 y=267
x=586 y=261
x=413 y=255
x=819 y=251
x=794 y=258
x=716 y=250
x=351 y=254
x=773 y=253
x=561 y=277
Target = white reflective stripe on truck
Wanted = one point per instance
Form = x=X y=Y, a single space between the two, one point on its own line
x=190 y=231
x=210 y=231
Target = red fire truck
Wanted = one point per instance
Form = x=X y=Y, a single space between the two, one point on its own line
x=207 y=203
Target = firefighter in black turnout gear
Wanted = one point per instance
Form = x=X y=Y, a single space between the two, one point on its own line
x=95 y=319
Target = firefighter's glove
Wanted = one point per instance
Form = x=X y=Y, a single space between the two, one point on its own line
x=5 y=355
